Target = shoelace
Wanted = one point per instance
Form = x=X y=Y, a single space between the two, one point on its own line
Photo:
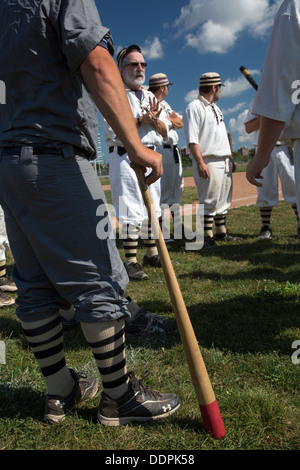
x=137 y=385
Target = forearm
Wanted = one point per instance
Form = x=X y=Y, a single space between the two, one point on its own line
x=269 y=134
x=196 y=154
x=252 y=126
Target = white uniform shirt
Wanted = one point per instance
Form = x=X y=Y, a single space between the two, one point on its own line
x=173 y=136
x=148 y=135
x=276 y=99
x=283 y=140
x=204 y=125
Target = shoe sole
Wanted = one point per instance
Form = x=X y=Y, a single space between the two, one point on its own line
x=8 y=303
x=8 y=289
x=133 y=419
x=54 y=419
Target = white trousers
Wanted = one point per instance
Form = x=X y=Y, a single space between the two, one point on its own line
x=215 y=193
x=172 y=178
x=281 y=166
x=297 y=169
x=3 y=237
x=126 y=194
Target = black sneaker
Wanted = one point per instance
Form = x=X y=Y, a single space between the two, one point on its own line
x=209 y=242
x=139 y=404
x=227 y=237
x=135 y=272
x=57 y=407
x=153 y=261
x=7 y=285
x=149 y=323
x=265 y=233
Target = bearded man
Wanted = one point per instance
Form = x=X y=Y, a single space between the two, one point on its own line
x=153 y=128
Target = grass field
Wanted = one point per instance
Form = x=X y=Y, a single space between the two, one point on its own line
x=243 y=301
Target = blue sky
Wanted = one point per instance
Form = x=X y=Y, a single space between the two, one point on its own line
x=187 y=38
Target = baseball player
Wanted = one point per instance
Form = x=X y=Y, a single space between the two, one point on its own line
x=277 y=101
x=207 y=139
x=153 y=128
x=62 y=70
x=172 y=182
x=281 y=166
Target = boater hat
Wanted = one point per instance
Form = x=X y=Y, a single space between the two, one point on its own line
x=159 y=79
x=210 y=78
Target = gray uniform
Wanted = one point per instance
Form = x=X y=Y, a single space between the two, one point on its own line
x=53 y=201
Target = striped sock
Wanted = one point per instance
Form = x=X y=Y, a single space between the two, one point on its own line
x=149 y=242
x=220 y=223
x=45 y=339
x=3 y=268
x=107 y=341
x=265 y=214
x=295 y=209
x=208 y=224
x=130 y=236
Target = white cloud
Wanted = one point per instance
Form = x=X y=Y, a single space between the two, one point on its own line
x=234 y=109
x=209 y=27
x=237 y=126
x=152 y=49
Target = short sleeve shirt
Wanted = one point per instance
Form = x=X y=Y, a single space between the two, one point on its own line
x=281 y=70
x=42 y=44
x=204 y=125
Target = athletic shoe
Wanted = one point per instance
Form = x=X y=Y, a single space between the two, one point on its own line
x=57 y=408
x=6 y=300
x=226 y=237
x=265 y=233
x=6 y=285
x=135 y=272
x=209 y=242
x=149 y=323
x=153 y=261
x=139 y=404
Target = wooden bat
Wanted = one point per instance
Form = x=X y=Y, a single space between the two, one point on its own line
x=209 y=409
x=249 y=77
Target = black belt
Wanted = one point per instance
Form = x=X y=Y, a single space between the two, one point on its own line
x=175 y=153
x=39 y=150
x=121 y=150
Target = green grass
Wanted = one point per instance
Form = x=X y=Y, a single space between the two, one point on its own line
x=243 y=302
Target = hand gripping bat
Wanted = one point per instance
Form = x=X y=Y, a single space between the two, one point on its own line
x=209 y=409
x=249 y=77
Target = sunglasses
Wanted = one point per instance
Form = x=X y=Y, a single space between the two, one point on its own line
x=136 y=64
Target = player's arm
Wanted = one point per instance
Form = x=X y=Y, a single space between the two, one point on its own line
x=202 y=168
x=269 y=133
x=253 y=125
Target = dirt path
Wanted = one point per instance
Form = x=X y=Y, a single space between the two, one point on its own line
x=244 y=193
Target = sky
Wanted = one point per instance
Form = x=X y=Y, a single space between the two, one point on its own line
x=186 y=38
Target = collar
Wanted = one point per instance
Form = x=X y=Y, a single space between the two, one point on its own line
x=204 y=100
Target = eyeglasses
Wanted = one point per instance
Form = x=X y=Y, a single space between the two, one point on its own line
x=136 y=64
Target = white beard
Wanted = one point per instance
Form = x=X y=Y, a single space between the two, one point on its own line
x=133 y=82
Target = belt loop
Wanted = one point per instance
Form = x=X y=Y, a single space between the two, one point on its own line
x=26 y=154
x=68 y=151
